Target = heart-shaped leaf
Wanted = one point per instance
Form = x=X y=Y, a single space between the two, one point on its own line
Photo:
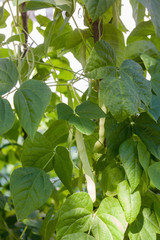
x=30 y=101
x=30 y=189
x=64 y=111
x=8 y=75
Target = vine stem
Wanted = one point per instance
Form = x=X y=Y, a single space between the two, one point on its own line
x=91 y=187
x=23 y=232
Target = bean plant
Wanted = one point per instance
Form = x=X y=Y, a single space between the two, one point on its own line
x=75 y=162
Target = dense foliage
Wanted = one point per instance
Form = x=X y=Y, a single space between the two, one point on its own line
x=80 y=165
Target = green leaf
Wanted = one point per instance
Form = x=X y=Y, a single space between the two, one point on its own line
x=141 y=32
x=50 y=29
x=60 y=35
x=144 y=227
x=157 y=211
x=138 y=11
x=68 y=40
x=154 y=9
x=37 y=153
x=75 y=215
x=143 y=155
x=115 y=38
x=135 y=49
x=30 y=189
x=50 y=228
x=57 y=133
x=101 y=61
x=42 y=20
x=8 y=75
x=6 y=116
x=131 y=202
x=109 y=222
x=148 y=61
x=128 y=156
x=123 y=94
x=155 y=81
x=96 y=8
x=154 y=107
x=116 y=133
x=64 y=111
x=65 y=5
x=4 y=14
x=149 y=131
x=81 y=236
x=16 y=37
x=88 y=109
x=112 y=175
x=2 y=38
x=135 y=72
x=63 y=166
x=35 y=5
x=30 y=101
x=84 y=125
x=154 y=172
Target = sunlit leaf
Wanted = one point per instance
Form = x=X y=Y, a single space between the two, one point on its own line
x=131 y=202
x=109 y=222
x=82 y=236
x=144 y=227
x=75 y=215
